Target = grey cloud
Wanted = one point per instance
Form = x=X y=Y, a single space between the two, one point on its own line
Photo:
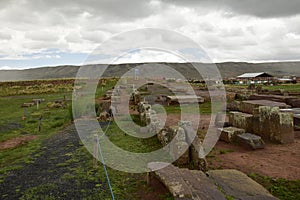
x=259 y=8
x=42 y=36
x=5 y=36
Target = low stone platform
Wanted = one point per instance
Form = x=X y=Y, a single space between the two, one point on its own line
x=250 y=106
x=187 y=184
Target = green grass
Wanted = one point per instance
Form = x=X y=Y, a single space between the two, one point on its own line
x=281 y=188
x=11 y=112
x=204 y=108
x=285 y=87
x=80 y=165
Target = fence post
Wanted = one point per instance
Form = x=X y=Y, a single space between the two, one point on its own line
x=95 y=151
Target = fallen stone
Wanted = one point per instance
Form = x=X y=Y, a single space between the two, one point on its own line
x=229 y=134
x=251 y=140
x=186 y=184
x=238 y=185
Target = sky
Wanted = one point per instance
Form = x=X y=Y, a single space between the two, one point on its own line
x=36 y=33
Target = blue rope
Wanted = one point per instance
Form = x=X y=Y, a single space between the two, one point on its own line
x=105 y=170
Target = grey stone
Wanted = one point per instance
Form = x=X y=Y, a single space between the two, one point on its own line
x=241 y=120
x=187 y=184
x=229 y=134
x=251 y=140
x=249 y=106
x=238 y=185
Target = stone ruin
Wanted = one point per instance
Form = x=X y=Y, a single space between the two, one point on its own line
x=265 y=121
x=179 y=134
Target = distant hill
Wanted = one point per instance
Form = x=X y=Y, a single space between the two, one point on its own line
x=227 y=70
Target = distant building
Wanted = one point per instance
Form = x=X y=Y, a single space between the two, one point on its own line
x=252 y=78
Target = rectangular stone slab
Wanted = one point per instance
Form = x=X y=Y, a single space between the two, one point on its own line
x=238 y=185
x=251 y=140
x=249 y=106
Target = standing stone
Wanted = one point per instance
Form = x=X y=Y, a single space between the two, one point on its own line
x=241 y=120
x=276 y=126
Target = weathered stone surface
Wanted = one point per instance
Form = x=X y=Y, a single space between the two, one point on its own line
x=187 y=184
x=274 y=125
x=234 y=106
x=239 y=185
x=294 y=102
x=180 y=150
x=251 y=141
x=229 y=134
x=241 y=120
x=249 y=106
x=297 y=120
x=277 y=98
x=197 y=157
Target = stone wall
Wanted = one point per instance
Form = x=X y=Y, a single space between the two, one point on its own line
x=267 y=122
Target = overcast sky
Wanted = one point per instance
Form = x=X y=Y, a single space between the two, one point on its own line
x=54 y=32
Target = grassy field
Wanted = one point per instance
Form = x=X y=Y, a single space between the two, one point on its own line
x=14 y=126
x=73 y=164
x=285 y=87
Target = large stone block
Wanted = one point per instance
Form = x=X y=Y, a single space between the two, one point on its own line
x=249 y=106
x=251 y=141
x=241 y=120
x=275 y=126
x=229 y=134
x=238 y=185
x=181 y=151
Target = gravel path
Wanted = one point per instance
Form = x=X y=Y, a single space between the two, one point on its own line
x=44 y=177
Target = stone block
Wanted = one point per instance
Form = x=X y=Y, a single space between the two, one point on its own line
x=241 y=120
x=238 y=185
x=250 y=140
x=180 y=151
x=249 y=106
x=229 y=134
x=275 y=126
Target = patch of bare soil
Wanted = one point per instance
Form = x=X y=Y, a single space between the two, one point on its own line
x=16 y=141
x=276 y=160
x=155 y=191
